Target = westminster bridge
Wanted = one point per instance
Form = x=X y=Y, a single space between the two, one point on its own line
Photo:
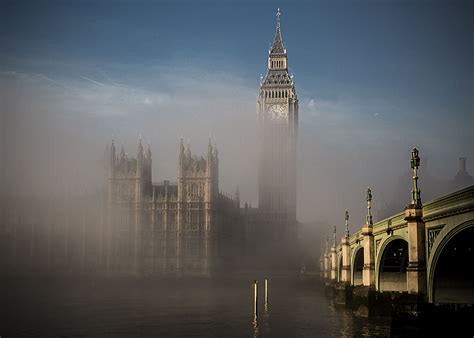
x=425 y=251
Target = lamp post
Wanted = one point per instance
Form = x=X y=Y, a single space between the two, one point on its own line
x=415 y=164
x=346 y=218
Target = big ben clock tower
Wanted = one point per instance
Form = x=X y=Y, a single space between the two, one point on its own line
x=277 y=110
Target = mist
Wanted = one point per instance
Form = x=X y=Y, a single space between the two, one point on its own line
x=55 y=130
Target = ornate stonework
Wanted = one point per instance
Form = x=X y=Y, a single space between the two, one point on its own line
x=432 y=234
x=178 y=227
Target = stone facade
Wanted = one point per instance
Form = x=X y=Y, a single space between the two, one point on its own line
x=183 y=227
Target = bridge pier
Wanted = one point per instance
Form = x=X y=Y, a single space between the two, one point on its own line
x=333 y=264
x=368 y=273
x=346 y=260
x=363 y=300
x=343 y=293
x=326 y=265
x=416 y=270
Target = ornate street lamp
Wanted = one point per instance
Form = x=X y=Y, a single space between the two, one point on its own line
x=415 y=164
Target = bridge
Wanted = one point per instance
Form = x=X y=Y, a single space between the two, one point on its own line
x=426 y=250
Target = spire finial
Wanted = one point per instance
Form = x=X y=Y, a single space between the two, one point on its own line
x=334 y=235
x=369 y=206
x=209 y=148
x=148 y=152
x=415 y=164
x=346 y=218
x=188 y=150
x=277 y=46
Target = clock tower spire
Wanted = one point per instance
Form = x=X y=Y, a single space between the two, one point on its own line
x=277 y=111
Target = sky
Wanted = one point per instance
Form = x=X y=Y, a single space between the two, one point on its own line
x=373 y=78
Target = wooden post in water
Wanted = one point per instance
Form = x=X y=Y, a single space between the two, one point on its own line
x=83 y=239
x=266 y=293
x=255 y=298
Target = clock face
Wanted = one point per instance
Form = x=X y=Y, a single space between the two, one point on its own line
x=277 y=111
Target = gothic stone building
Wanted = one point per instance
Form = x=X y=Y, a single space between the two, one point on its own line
x=190 y=226
x=185 y=227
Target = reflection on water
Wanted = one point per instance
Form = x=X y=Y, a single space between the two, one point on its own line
x=178 y=307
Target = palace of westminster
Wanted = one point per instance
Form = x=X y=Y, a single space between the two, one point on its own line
x=192 y=227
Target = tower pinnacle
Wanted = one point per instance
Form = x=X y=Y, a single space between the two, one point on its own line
x=277 y=46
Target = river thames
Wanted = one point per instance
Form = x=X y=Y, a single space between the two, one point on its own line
x=174 y=307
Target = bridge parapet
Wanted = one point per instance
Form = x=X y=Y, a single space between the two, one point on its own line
x=455 y=203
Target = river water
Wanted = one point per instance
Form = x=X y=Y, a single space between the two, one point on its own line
x=175 y=307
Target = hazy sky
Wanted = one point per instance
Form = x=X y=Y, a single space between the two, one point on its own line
x=373 y=78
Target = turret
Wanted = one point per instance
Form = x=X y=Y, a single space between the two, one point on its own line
x=216 y=168
x=209 y=149
x=148 y=153
x=181 y=159
x=140 y=158
x=210 y=159
x=237 y=196
x=122 y=154
x=188 y=151
x=216 y=160
x=148 y=167
x=112 y=159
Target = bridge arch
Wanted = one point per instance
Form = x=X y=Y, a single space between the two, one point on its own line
x=357 y=265
x=450 y=274
x=391 y=265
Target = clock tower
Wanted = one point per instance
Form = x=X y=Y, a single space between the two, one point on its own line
x=277 y=111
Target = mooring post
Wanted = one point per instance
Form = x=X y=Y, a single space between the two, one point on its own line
x=266 y=292
x=255 y=298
